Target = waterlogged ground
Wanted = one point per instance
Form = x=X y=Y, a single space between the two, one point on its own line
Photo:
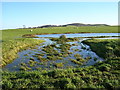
x=30 y=57
x=52 y=55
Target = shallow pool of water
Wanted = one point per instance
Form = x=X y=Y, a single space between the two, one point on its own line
x=79 y=48
x=80 y=35
x=24 y=57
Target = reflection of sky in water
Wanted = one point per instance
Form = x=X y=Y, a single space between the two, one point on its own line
x=25 y=55
x=81 y=35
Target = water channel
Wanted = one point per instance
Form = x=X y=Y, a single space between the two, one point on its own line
x=79 y=48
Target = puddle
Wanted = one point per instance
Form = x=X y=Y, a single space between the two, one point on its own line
x=28 y=57
x=78 y=48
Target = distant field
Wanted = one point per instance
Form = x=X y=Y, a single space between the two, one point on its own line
x=16 y=33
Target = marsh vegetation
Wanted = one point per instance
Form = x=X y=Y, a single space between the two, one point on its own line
x=63 y=53
x=63 y=63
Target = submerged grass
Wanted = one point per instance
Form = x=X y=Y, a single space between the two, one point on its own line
x=58 y=65
x=12 y=40
x=103 y=75
x=12 y=47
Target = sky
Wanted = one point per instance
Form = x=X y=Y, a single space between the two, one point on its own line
x=30 y=14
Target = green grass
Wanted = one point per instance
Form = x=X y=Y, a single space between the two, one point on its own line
x=102 y=75
x=16 y=33
x=10 y=48
x=12 y=41
x=109 y=48
x=58 y=65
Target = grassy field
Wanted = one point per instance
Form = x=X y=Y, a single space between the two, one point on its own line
x=16 y=33
x=103 y=75
x=108 y=48
x=10 y=48
x=12 y=40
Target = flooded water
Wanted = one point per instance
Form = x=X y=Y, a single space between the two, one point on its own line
x=78 y=48
x=80 y=35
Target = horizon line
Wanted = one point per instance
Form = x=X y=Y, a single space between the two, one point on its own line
x=52 y=24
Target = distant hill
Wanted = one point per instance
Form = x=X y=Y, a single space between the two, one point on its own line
x=72 y=24
x=81 y=24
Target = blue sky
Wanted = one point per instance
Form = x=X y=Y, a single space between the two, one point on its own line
x=17 y=14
